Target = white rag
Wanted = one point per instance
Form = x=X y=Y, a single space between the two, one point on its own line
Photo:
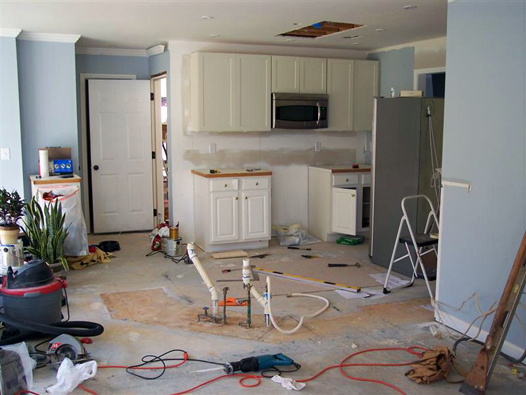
x=288 y=383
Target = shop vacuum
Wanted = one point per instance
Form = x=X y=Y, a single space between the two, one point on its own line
x=32 y=308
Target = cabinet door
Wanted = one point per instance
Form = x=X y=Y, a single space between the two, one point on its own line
x=340 y=88
x=285 y=74
x=225 y=217
x=253 y=92
x=344 y=211
x=256 y=215
x=313 y=75
x=213 y=92
x=365 y=89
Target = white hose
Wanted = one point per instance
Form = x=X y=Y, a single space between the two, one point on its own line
x=294 y=330
x=204 y=275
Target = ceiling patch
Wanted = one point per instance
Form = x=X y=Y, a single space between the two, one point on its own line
x=321 y=29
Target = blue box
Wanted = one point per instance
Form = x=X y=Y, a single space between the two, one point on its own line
x=62 y=166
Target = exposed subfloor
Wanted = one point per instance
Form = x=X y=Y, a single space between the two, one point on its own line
x=396 y=320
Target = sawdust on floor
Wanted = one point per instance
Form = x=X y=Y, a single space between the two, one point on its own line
x=155 y=307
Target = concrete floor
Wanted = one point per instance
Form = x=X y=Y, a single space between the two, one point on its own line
x=396 y=320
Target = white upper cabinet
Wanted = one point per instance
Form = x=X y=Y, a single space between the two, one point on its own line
x=340 y=88
x=286 y=74
x=365 y=89
x=230 y=92
x=313 y=75
x=253 y=92
x=213 y=89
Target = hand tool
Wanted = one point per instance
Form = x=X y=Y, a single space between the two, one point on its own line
x=310 y=256
x=259 y=363
x=260 y=256
x=225 y=290
x=234 y=302
x=229 y=270
x=298 y=248
x=357 y=264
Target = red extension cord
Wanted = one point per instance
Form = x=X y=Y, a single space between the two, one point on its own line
x=244 y=376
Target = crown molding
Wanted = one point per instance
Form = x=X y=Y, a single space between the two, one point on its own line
x=51 y=37
x=158 y=49
x=111 y=51
x=10 y=32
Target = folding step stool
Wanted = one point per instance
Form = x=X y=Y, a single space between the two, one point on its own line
x=418 y=241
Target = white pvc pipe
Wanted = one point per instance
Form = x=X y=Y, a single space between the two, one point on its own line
x=204 y=275
x=294 y=330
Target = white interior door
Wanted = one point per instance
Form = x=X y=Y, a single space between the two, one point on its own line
x=121 y=155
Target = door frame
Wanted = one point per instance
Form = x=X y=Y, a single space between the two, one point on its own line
x=157 y=141
x=84 y=148
x=418 y=72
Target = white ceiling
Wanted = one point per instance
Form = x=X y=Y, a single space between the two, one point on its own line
x=143 y=24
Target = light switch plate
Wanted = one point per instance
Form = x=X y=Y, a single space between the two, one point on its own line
x=5 y=153
x=211 y=148
x=317 y=146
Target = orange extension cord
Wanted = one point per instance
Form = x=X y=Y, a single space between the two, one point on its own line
x=244 y=376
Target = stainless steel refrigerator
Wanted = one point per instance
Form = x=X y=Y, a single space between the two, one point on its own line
x=401 y=166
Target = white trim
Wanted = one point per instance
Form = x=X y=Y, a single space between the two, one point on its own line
x=457 y=324
x=10 y=32
x=431 y=70
x=158 y=49
x=84 y=134
x=111 y=51
x=53 y=37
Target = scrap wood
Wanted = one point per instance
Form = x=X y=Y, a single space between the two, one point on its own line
x=95 y=256
x=296 y=277
x=230 y=254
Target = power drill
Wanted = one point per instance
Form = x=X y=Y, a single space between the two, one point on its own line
x=261 y=362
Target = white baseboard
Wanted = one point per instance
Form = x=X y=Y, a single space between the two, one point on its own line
x=461 y=326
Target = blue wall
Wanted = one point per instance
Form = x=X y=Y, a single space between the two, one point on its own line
x=396 y=69
x=11 y=172
x=48 y=100
x=484 y=144
x=105 y=64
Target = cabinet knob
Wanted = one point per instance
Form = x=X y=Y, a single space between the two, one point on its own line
x=353 y=195
x=246 y=197
x=257 y=183
x=346 y=180
x=237 y=198
x=226 y=185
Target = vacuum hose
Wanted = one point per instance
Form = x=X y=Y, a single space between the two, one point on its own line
x=74 y=328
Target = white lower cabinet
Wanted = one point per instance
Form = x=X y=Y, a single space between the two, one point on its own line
x=232 y=212
x=344 y=210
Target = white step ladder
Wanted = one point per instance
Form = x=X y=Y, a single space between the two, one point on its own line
x=418 y=241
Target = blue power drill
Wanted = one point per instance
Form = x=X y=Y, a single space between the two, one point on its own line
x=259 y=363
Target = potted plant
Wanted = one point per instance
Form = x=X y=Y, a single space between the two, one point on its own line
x=46 y=233
x=11 y=206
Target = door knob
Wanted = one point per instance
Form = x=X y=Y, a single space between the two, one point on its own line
x=96 y=167
x=246 y=197
x=237 y=198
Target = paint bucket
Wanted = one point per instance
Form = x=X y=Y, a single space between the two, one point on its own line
x=174 y=233
x=171 y=247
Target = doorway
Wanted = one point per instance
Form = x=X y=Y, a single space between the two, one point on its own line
x=160 y=142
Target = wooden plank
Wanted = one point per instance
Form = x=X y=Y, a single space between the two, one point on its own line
x=56 y=181
x=230 y=254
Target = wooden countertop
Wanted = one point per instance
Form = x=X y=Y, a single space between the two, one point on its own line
x=36 y=180
x=231 y=173
x=344 y=168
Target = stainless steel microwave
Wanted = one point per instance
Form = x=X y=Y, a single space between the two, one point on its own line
x=299 y=111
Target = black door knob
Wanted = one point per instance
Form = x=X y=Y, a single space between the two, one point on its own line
x=95 y=167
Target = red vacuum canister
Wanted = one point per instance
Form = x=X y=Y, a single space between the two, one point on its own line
x=33 y=294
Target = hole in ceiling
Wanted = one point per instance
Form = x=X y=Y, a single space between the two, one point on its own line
x=321 y=29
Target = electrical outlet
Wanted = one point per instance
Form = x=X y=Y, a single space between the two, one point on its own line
x=317 y=146
x=211 y=148
x=5 y=153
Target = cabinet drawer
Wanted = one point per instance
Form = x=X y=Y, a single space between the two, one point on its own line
x=224 y=184
x=366 y=178
x=345 y=179
x=254 y=183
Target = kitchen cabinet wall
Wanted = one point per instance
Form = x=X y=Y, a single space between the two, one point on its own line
x=352 y=86
x=232 y=212
x=232 y=92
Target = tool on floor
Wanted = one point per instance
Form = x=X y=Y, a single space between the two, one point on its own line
x=357 y=264
x=66 y=346
x=260 y=363
x=299 y=248
x=234 y=302
x=229 y=270
x=350 y=240
x=306 y=279
x=225 y=290
x=260 y=256
x=478 y=378
x=418 y=241
x=310 y=256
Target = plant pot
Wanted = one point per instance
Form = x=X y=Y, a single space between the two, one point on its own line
x=9 y=234
x=58 y=268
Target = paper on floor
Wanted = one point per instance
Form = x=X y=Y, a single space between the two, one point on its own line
x=394 y=282
x=352 y=295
